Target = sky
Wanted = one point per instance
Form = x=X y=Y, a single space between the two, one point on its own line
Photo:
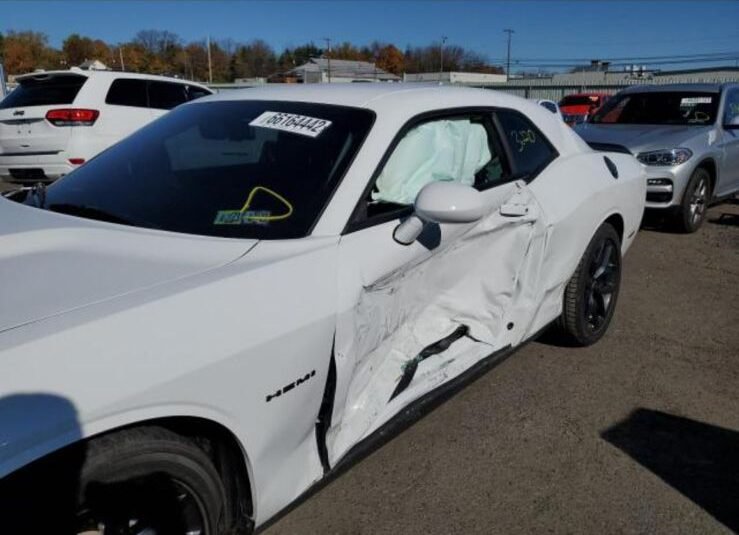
x=543 y=29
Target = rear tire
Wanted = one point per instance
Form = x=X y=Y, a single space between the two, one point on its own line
x=692 y=210
x=591 y=294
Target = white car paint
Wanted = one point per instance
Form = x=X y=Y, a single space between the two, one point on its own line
x=30 y=141
x=131 y=324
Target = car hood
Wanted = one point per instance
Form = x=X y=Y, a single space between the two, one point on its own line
x=52 y=263
x=640 y=138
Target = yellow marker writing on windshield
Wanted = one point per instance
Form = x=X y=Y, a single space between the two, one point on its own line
x=245 y=215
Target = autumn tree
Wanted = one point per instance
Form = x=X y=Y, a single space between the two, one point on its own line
x=76 y=49
x=255 y=59
x=27 y=51
x=389 y=58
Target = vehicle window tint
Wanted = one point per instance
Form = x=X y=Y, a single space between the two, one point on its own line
x=166 y=95
x=457 y=149
x=240 y=169
x=660 y=107
x=127 y=92
x=45 y=90
x=197 y=92
x=549 y=105
x=530 y=151
x=731 y=108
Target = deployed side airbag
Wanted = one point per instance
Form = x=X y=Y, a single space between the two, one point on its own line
x=453 y=151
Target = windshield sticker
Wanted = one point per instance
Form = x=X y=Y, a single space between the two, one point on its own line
x=523 y=138
x=692 y=101
x=248 y=216
x=291 y=122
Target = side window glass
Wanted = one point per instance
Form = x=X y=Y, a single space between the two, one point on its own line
x=529 y=150
x=460 y=149
x=166 y=95
x=196 y=92
x=127 y=92
x=731 y=109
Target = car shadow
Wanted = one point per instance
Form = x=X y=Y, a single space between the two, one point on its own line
x=727 y=219
x=699 y=460
x=41 y=497
x=658 y=221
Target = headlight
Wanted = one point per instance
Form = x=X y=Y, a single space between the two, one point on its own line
x=666 y=157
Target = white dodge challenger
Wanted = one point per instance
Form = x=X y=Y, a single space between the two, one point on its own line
x=207 y=319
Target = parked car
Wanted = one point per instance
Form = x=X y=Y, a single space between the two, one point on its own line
x=578 y=107
x=687 y=136
x=550 y=105
x=214 y=314
x=55 y=121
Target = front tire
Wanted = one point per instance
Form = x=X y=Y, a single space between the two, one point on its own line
x=692 y=210
x=139 y=480
x=150 y=480
x=591 y=294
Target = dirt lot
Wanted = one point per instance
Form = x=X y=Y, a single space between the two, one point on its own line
x=638 y=434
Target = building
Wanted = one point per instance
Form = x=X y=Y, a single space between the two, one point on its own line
x=93 y=65
x=455 y=77
x=324 y=70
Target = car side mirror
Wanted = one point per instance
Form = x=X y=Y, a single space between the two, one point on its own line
x=441 y=202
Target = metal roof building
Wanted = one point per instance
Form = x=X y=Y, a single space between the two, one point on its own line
x=322 y=70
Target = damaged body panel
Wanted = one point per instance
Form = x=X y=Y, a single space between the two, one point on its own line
x=265 y=286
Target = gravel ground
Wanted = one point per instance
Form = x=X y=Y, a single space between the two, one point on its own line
x=638 y=434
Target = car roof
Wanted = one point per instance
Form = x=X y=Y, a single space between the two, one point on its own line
x=687 y=88
x=587 y=94
x=107 y=74
x=375 y=96
x=397 y=103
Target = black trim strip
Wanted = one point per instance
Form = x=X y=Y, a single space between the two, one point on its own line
x=38 y=153
x=323 y=423
x=410 y=367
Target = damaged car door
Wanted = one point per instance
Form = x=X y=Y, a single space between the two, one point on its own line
x=416 y=315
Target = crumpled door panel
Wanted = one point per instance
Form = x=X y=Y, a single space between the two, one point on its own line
x=484 y=279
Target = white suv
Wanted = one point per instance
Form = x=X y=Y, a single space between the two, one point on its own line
x=55 y=121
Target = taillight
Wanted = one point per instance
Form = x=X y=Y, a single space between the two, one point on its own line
x=72 y=117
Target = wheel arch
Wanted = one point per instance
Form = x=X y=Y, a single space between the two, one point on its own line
x=616 y=220
x=710 y=165
x=216 y=438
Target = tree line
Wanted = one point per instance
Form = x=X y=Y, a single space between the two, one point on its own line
x=164 y=52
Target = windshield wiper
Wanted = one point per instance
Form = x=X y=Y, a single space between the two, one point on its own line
x=89 y=212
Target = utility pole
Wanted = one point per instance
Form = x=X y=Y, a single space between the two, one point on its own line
x=120 y=54
x=328 y=56
x=210 y=65
x=441 y=56
x=508 y=58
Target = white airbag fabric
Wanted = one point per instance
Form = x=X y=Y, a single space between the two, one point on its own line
x=452 y=151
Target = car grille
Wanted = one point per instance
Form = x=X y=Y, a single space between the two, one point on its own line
x=609 y=147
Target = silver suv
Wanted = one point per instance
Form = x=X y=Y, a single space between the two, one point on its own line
x=687 y=136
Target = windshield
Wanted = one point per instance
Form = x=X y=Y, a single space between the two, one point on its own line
x=242 y=169
x=659 y=107
x=45 y=90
